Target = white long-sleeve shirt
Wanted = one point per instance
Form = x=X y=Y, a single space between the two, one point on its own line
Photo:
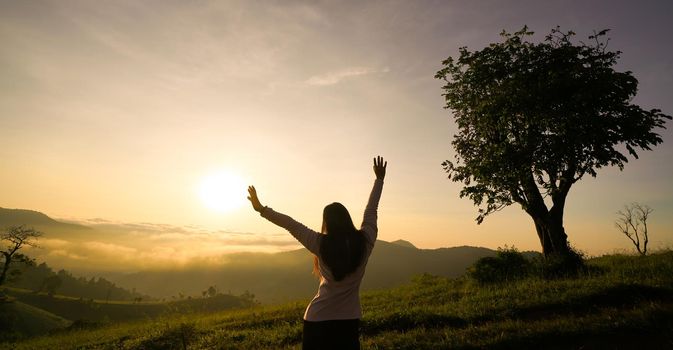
x=335 y=300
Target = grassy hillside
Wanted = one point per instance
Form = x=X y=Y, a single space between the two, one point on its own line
x=104 y=311
x=623 y=302
x=19 y=319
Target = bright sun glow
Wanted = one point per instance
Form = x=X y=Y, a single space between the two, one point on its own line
x=223 y=191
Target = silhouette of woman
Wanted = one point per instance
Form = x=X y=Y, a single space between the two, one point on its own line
x=332 y=318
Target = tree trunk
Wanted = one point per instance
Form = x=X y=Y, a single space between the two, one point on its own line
x=3 y=274
x=552 y=236
x=549 y=227
x=548 y=222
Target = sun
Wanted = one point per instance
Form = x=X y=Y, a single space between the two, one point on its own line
x=222 y=191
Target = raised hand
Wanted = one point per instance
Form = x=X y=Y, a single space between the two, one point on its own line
x=380 y=167
x=254 y=200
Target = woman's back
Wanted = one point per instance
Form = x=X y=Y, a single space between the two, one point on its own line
x=335 y=300
x=332 y=318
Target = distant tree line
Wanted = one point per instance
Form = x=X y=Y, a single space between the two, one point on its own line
x=41 y=278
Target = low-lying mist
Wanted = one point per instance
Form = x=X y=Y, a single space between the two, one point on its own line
x=100 y=245
x=167 y=262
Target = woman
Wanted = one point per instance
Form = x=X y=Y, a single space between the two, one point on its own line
x=332 y=318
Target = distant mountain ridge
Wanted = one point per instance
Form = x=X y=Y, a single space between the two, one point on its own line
x=287 y=275
x=9 y=217
x=271 y=277
x=403 y=243
x=16 y=216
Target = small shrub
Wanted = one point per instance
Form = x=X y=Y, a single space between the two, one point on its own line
x=562 y=266
x=507 y=265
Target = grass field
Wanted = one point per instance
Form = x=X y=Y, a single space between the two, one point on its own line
x=103 y=311
x=624 y=302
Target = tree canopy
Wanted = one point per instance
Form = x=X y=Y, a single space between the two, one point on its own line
x=534 y=118
x=13 y=239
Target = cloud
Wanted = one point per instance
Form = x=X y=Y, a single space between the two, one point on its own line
x=109 y=248
x=53 y=243
x=62 y=254
x=103 y=224
x=336 y=77
x=156 y=234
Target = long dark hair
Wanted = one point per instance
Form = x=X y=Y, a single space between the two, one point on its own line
x=342 y=248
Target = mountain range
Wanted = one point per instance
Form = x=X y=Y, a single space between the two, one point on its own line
x=275 y=277
x=272 y=277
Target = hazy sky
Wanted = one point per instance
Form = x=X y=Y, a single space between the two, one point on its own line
x=119 y=110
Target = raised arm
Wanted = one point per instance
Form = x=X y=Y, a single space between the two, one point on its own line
x=369 y=225
x=307 y=237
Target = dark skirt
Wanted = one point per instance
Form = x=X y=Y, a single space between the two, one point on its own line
x=333 y=334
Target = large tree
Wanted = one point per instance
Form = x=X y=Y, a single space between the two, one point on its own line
x=534 y=118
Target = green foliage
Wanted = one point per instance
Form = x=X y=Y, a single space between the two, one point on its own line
x=534 y=118
x=508 y=265
x=628 y=305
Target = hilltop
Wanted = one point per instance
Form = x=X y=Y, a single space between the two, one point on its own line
x=403 y=243
x=623 y=302
x=35 y=219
